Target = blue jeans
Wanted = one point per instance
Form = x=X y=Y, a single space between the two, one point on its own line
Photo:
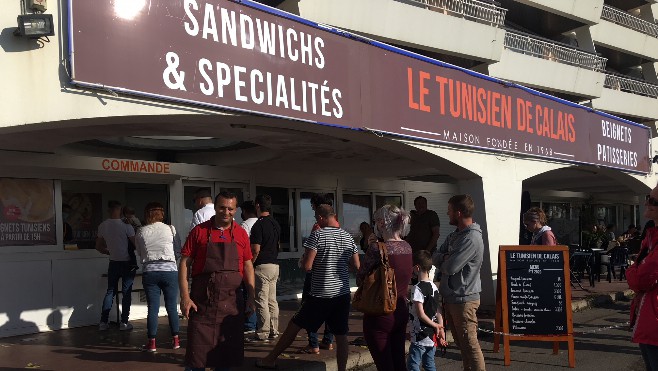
x=421 y=354
x=650 y=356
x=250 y=321
x=154 y=282
x=328 y=337
x=118 y=270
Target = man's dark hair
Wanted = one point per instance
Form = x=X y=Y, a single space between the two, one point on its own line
x=113 y=204
x=322 y=199
x=463 y=204
x=248 y=207
x=420 y=198
x=264 y=202
x=202 y=193
x=66 y=208
x=423 y=259
x=325 y=211
x=127 y=210
x=225 y=194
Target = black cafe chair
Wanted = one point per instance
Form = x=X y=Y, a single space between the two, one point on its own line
x=580 y=262
x=618 y=259
x=604 y=259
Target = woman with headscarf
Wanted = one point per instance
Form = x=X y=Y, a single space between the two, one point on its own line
x=159 y=247
x=535 y=221
x=385 y=335
x=643 y=280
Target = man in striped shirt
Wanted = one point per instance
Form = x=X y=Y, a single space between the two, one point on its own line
x=329 y=252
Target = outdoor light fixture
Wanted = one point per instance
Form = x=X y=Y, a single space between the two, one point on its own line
x=35 y=25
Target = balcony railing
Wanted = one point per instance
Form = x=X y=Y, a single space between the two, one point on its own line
x=552 y=50
x=622 y=18
x=630 y=85
x=474 y=10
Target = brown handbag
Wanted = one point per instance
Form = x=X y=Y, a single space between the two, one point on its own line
x=377 y=295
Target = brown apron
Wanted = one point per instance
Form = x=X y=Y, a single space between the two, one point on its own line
x=215 y=331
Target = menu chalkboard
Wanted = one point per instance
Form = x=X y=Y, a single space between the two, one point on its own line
x=533 y=300
x=535 y=290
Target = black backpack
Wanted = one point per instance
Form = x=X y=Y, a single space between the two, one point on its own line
x=430 y=306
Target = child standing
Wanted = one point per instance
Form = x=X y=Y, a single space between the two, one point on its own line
x=424 y=316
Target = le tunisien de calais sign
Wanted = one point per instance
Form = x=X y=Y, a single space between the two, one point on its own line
x=220 y=53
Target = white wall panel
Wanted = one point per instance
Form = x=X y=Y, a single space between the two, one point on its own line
x=26 y=296
x=78 y=288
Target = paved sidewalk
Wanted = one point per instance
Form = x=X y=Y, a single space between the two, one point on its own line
x=86 y=348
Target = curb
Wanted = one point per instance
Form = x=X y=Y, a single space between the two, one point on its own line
x=356 y=359
x=600 y=299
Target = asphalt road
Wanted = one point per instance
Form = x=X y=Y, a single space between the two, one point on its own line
x=598 y=347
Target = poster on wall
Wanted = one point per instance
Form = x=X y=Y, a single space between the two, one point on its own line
x=27 y=214
x=83 y=213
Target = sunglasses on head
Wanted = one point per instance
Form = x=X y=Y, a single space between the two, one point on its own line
x=650 y=200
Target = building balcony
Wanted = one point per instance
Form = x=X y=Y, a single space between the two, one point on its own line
x=473 y=10
x=630 y=85
x=627 y=20
x=469 y=29
x=584 y=11
x=628 y=97
x=548 y=65
x=624 y=32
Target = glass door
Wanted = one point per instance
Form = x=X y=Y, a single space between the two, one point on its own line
x=306 y=215
x=281 y=211
x=387 y=199
x=357 y=209
x=189 y=189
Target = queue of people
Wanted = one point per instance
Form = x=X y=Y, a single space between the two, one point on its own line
x=233 y=271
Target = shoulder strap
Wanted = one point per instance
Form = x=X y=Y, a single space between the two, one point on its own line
x=425 y=288
x=383 y=254
x=430 y=305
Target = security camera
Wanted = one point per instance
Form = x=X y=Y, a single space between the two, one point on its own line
x=38 y=5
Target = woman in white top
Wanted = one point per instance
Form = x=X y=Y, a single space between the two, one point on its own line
x=159 y=247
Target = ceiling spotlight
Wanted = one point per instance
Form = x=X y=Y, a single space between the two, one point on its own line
x=35 y=25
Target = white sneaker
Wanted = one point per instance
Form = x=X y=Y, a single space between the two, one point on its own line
x=103 y=326
x=125 y=326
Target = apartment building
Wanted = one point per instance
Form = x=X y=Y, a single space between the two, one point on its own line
x=595 y=53
x=372 y=101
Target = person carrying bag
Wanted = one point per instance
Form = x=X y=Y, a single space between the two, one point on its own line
x=383 y=280
x=377 y=294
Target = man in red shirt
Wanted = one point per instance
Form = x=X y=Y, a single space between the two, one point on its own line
x=219 y=255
